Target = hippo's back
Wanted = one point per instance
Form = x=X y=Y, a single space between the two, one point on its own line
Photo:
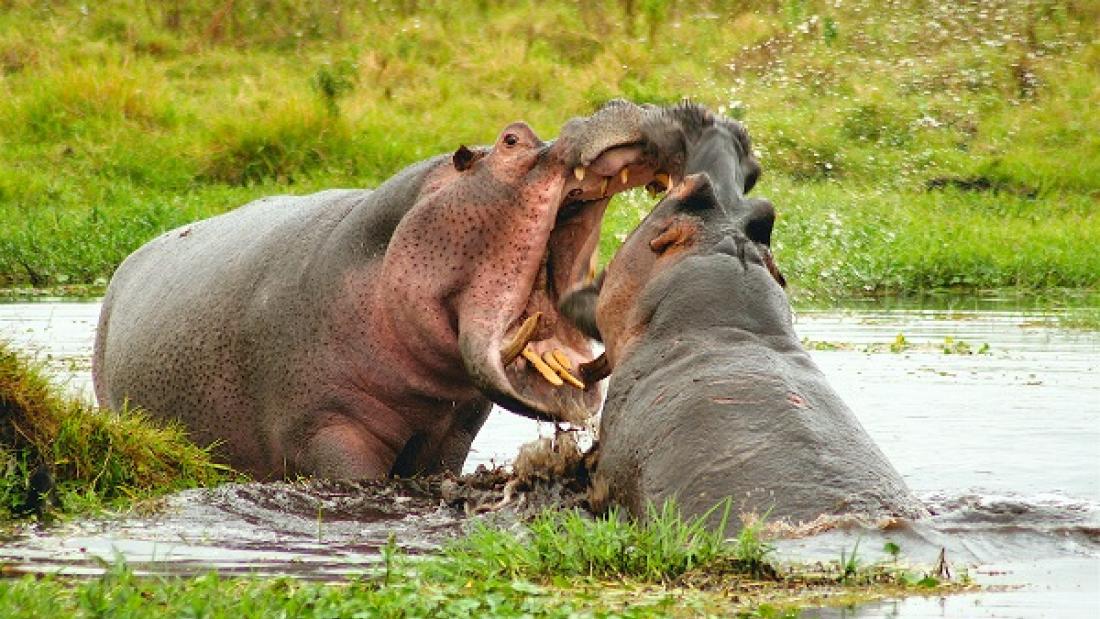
x=174 y=334
x=751 y=420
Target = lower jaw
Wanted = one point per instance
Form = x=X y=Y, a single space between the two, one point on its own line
x=541 y=364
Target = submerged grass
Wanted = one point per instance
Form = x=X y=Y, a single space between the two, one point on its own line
x=59 y=455
x=563 y=564
x=906 y=146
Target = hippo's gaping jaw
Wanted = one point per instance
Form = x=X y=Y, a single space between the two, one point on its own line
x=525 y=356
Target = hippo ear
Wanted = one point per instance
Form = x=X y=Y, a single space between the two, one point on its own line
x=677 y=234
x=464 y=158
x=695 y=194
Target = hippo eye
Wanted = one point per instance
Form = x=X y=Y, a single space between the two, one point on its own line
x=510 y=139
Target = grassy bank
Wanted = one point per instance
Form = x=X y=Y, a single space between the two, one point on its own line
x=561 y=565
x=59 y=455
x=907 y=145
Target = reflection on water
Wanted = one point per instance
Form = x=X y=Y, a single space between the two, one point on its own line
x=1004 y=446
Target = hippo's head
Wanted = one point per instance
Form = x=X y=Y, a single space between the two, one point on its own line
x=510 y=228
x=706 y=213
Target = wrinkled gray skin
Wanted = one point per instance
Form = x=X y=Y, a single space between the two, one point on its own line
x=356 y=333
x=711 y=393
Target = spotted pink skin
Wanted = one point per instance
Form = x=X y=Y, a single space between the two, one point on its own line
x=475 y=280
x=355 y=334
x=461 y=268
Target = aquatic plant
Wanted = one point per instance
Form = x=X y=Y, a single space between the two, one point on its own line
x=892 y=549
x=849 y=563
x=572 y=543
x=753 y=551
x=900 y=344
x=60 y=454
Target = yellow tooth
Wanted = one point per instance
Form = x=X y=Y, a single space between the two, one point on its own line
x=563 y=359
x=579 y=172
x=551 y=359
x=664 y=179
x=512 y=349
x=624 y=175
x=548 y=357
x=603 y=185
x=572 y=380
x=540 y=365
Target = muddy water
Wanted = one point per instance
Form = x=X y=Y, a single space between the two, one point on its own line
x=1004 y=447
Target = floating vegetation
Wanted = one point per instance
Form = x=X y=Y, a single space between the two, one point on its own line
x=902 y=344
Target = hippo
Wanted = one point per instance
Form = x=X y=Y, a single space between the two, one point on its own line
x=361 y=334
x=712 y=397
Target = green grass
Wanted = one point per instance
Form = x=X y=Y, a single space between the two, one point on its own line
x=61 y=456
x=561 y=565
x=907 y=146
x=664 y=548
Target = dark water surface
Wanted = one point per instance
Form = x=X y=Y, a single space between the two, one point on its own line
x=1004 y=447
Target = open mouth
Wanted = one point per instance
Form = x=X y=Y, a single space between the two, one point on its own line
x=549 y=368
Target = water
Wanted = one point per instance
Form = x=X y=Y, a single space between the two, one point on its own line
x=1003 y=446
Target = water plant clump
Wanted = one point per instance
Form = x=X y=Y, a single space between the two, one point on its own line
x=59 y=454
x=573 y=543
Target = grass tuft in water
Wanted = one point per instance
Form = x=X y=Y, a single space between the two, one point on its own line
x=60 y=454
x=753 y=552
x=849 y=563
x=574 y=544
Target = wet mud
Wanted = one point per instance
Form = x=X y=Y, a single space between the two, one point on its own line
x=316 y=529
x=313 y=529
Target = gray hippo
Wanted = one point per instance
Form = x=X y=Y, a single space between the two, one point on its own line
x=711 y=393
x=357 y=333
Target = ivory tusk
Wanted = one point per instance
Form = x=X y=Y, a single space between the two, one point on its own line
x=624 y=175
x=563 y=359
x=579 y=172
x=536 y=361
x=548 y=357
x=569 y=378
x=512 y=349
x=551 y=360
